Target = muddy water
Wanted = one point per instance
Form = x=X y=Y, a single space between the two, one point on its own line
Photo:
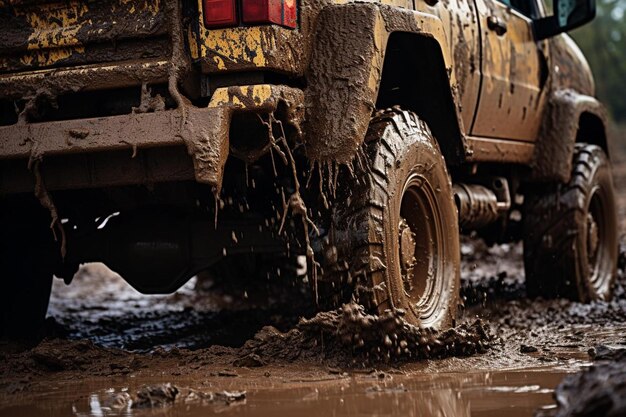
x=414 y=393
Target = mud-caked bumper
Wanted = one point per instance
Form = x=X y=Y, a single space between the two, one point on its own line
x=142 y=139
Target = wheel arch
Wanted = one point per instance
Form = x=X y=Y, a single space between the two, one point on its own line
x=422 y=87
x=570 y=117
x=351 y=60
x=592 y=130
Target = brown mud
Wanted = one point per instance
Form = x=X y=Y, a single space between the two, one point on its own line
x=110 y=349
x=523 y=349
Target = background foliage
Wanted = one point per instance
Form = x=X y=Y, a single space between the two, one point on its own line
x=603 y=42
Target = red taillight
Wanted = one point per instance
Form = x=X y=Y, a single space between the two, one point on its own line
x=220 y=13
x=280 y=12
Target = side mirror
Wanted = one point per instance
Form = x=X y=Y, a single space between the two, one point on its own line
x=568 y=14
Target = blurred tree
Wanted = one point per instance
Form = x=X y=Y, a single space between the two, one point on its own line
x=603 y=42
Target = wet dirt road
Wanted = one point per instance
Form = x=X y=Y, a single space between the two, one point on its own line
x=110 y=351
x=64 y=377
x=535 y=344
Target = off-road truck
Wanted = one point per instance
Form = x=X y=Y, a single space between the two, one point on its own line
x=167 y=138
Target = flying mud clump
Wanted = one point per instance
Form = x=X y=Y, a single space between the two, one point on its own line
x=163 y=395
x=349 y=335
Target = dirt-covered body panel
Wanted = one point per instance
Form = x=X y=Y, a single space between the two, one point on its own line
x=562 y=128
x=571 y=113
x=39 y=35
x=507 y=103
x=141 y=107
x=340 y=48
x=350 y=50
x=204 y=132
x=512 y=91
x=265 y=48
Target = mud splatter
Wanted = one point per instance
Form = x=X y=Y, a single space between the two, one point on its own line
x=46 y=201
x=149 y=103
x=351 y=336
x=341 y=65
x=83 y=355
x=167 y=394
x=154 y=396
x=552 y=156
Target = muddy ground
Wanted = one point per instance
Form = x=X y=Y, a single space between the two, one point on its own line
x=112 y=351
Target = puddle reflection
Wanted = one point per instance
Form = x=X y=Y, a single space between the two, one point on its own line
x=516 y=393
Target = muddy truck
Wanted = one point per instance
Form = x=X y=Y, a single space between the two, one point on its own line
x=251 y=140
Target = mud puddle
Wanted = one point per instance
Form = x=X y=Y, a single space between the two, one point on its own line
x=303 y=391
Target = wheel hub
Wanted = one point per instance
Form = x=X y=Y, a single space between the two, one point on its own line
x=593 y=238
x=407 y=253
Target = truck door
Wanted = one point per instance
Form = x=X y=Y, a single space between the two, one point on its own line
x=511 y=68
x=464 y=38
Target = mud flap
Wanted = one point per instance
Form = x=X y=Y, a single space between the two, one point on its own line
x=205 y=132
x=343 y=79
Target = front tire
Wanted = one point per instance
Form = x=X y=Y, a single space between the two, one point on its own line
x=570 y=232
x=396 y=225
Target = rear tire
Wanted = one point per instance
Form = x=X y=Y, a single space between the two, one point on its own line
x=570 y=232
x=395 y=227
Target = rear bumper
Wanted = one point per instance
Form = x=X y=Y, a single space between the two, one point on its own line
x=203 y=132
x=17 y=86
x=91 y=135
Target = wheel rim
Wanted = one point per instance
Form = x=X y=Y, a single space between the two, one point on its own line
x=598 y=251
x=420 y=245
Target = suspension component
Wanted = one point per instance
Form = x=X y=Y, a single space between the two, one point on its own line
x=480 y=205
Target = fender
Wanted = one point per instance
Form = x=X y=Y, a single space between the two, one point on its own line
x=345 y=73
x=562 y=126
